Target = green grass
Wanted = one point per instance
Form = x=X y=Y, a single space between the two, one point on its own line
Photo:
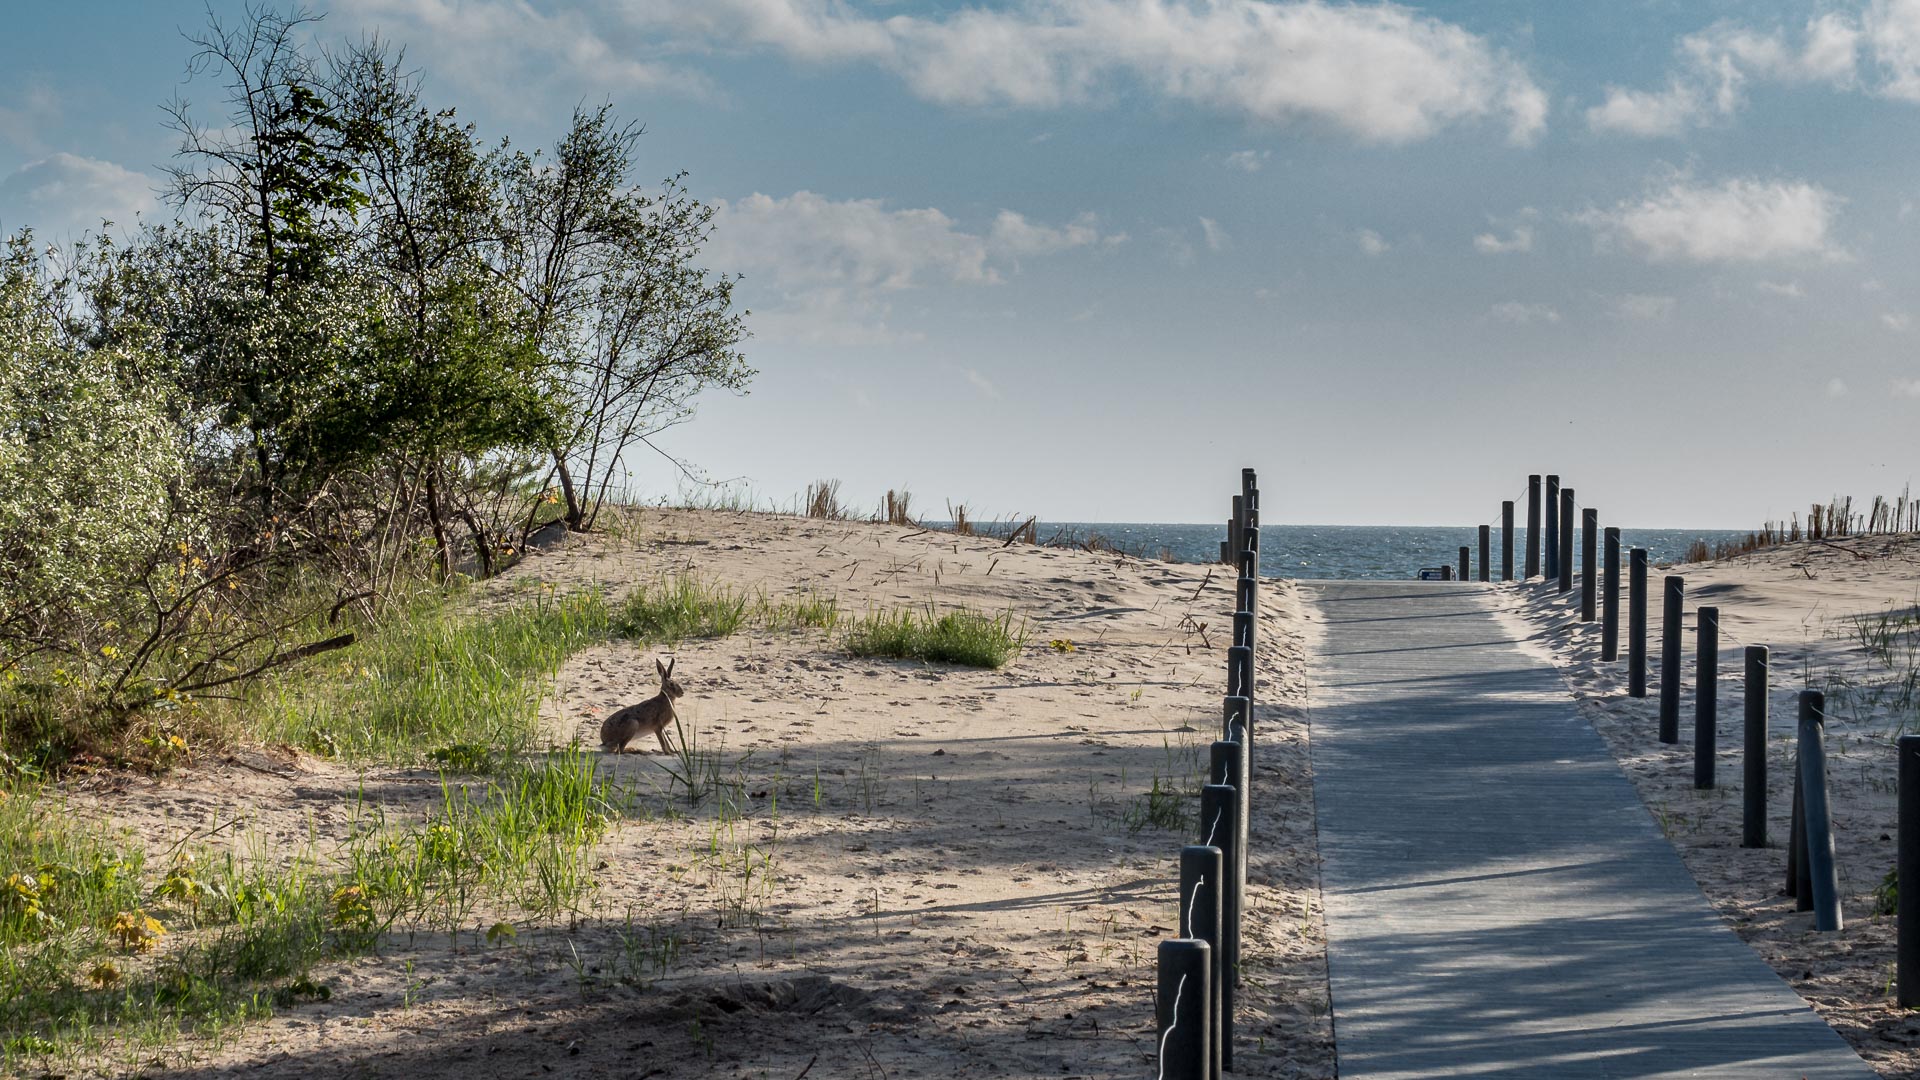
x=439 y=679
x=241 y=937
x=972 y=638
x=674 y=609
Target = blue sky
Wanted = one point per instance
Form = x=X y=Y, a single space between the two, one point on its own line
x=1085 y=258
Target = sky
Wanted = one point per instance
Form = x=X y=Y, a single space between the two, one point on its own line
x=1087 y=258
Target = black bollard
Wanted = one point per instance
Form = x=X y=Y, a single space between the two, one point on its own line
x=1798 y=886
x=1243 y=628
x=1250 y=537
x=1506 y=540
x=1224 y=546
x=1249 y=563
x=1486 y=553
x=1818 y=830
x=1907 y=871
x=1220 y=827
x=1240 y=672
x=1637 y=623
x=1237 y=720
x=1533 y=526
x=1246 y=593
x=1670 y=660
x=1753 y=810
x=1202 y=883
x=1183 y=1011
x=1237 y=532
x=1550 y=563
x=1463 y=564
x=1229 y=764
x=1589 y=543
x=1610 y=599
x=1566 y=540
x=1706 y=695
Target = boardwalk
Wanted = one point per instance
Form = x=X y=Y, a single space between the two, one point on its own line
x=1499 y=903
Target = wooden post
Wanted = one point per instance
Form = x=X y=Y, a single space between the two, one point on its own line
x=1670 y=616
x=1753 y=808
x=1566 y=540
x=1506 y=540
x=1706 y=695
x=1637 y=623
x=1610 y=600
x=1463 y=564
x=1533 y=525
x=1550 y=566
x=1486 y=553
x=1589 y=541
x=1184 y=1016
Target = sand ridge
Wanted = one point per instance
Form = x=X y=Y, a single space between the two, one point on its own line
x=932 y=872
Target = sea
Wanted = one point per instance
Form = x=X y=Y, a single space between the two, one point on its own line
x=1345 y=551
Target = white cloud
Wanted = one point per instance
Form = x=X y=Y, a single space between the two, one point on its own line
x=1906 y=388
x=1249 y=160
x=1520 y=240
x=1216 y=236
x=825 y=267
x=1836 y=388
x=1646 y=113
x=502 y=47
x=1790 y=290
x=981 y=383
x=1014 y=235
x=1736 y=220
x=1897 y=321
x=1377 y=72
x=66 y=193
x=1519 y=314
x=1372 y=243
x=1642 y=307
x=1717 y=64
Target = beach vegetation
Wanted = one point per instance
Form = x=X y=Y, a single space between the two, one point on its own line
x=962 y=636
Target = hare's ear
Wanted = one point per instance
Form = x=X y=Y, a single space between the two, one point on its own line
x=668 y=674
x=660 y=667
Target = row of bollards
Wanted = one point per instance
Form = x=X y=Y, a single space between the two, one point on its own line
x=1200 y=969
x=1812 y=873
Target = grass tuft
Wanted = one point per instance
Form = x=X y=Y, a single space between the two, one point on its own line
x=964 y=637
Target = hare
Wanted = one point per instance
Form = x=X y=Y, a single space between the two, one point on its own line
x=649 y=717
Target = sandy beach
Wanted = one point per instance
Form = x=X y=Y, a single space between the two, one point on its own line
x=1808 y=602
x=932 y=871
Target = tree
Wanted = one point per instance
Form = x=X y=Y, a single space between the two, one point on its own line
x=629 y=327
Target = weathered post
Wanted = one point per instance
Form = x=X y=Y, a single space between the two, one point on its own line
x=1486 y=553
x=1230 y=764
x=1235 y=539
x=1220 y=827
x=1243 y=628
x=1799 y=886
x=1237 y=719
x=1907 y=871
x=1249 y=562
x=1551 y=538
x=1589 y=543
x=1463 y=563
x=1670 y=659
x=1818 y=830
x=1202 y=884
x=1240 y=672
x=1610 y=599
x=1225 y=545
x=1706 y=695
x=1566 y=540
x=1533 y=525
x=1183 y=1015
x=1245 y=593
x=1506 y=540
x=1637 y=623
x=1753 y=804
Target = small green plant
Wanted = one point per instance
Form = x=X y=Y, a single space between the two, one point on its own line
x=1886 y=895
x=1061 y=645
x=673 y=609
x=965 y=637
x=1163 y=806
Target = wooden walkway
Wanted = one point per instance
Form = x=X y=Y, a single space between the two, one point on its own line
x=1499 y=903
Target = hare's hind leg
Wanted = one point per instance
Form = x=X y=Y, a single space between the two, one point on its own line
x=665 y=746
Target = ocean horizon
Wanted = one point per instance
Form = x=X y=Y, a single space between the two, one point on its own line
x=1340 y=551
